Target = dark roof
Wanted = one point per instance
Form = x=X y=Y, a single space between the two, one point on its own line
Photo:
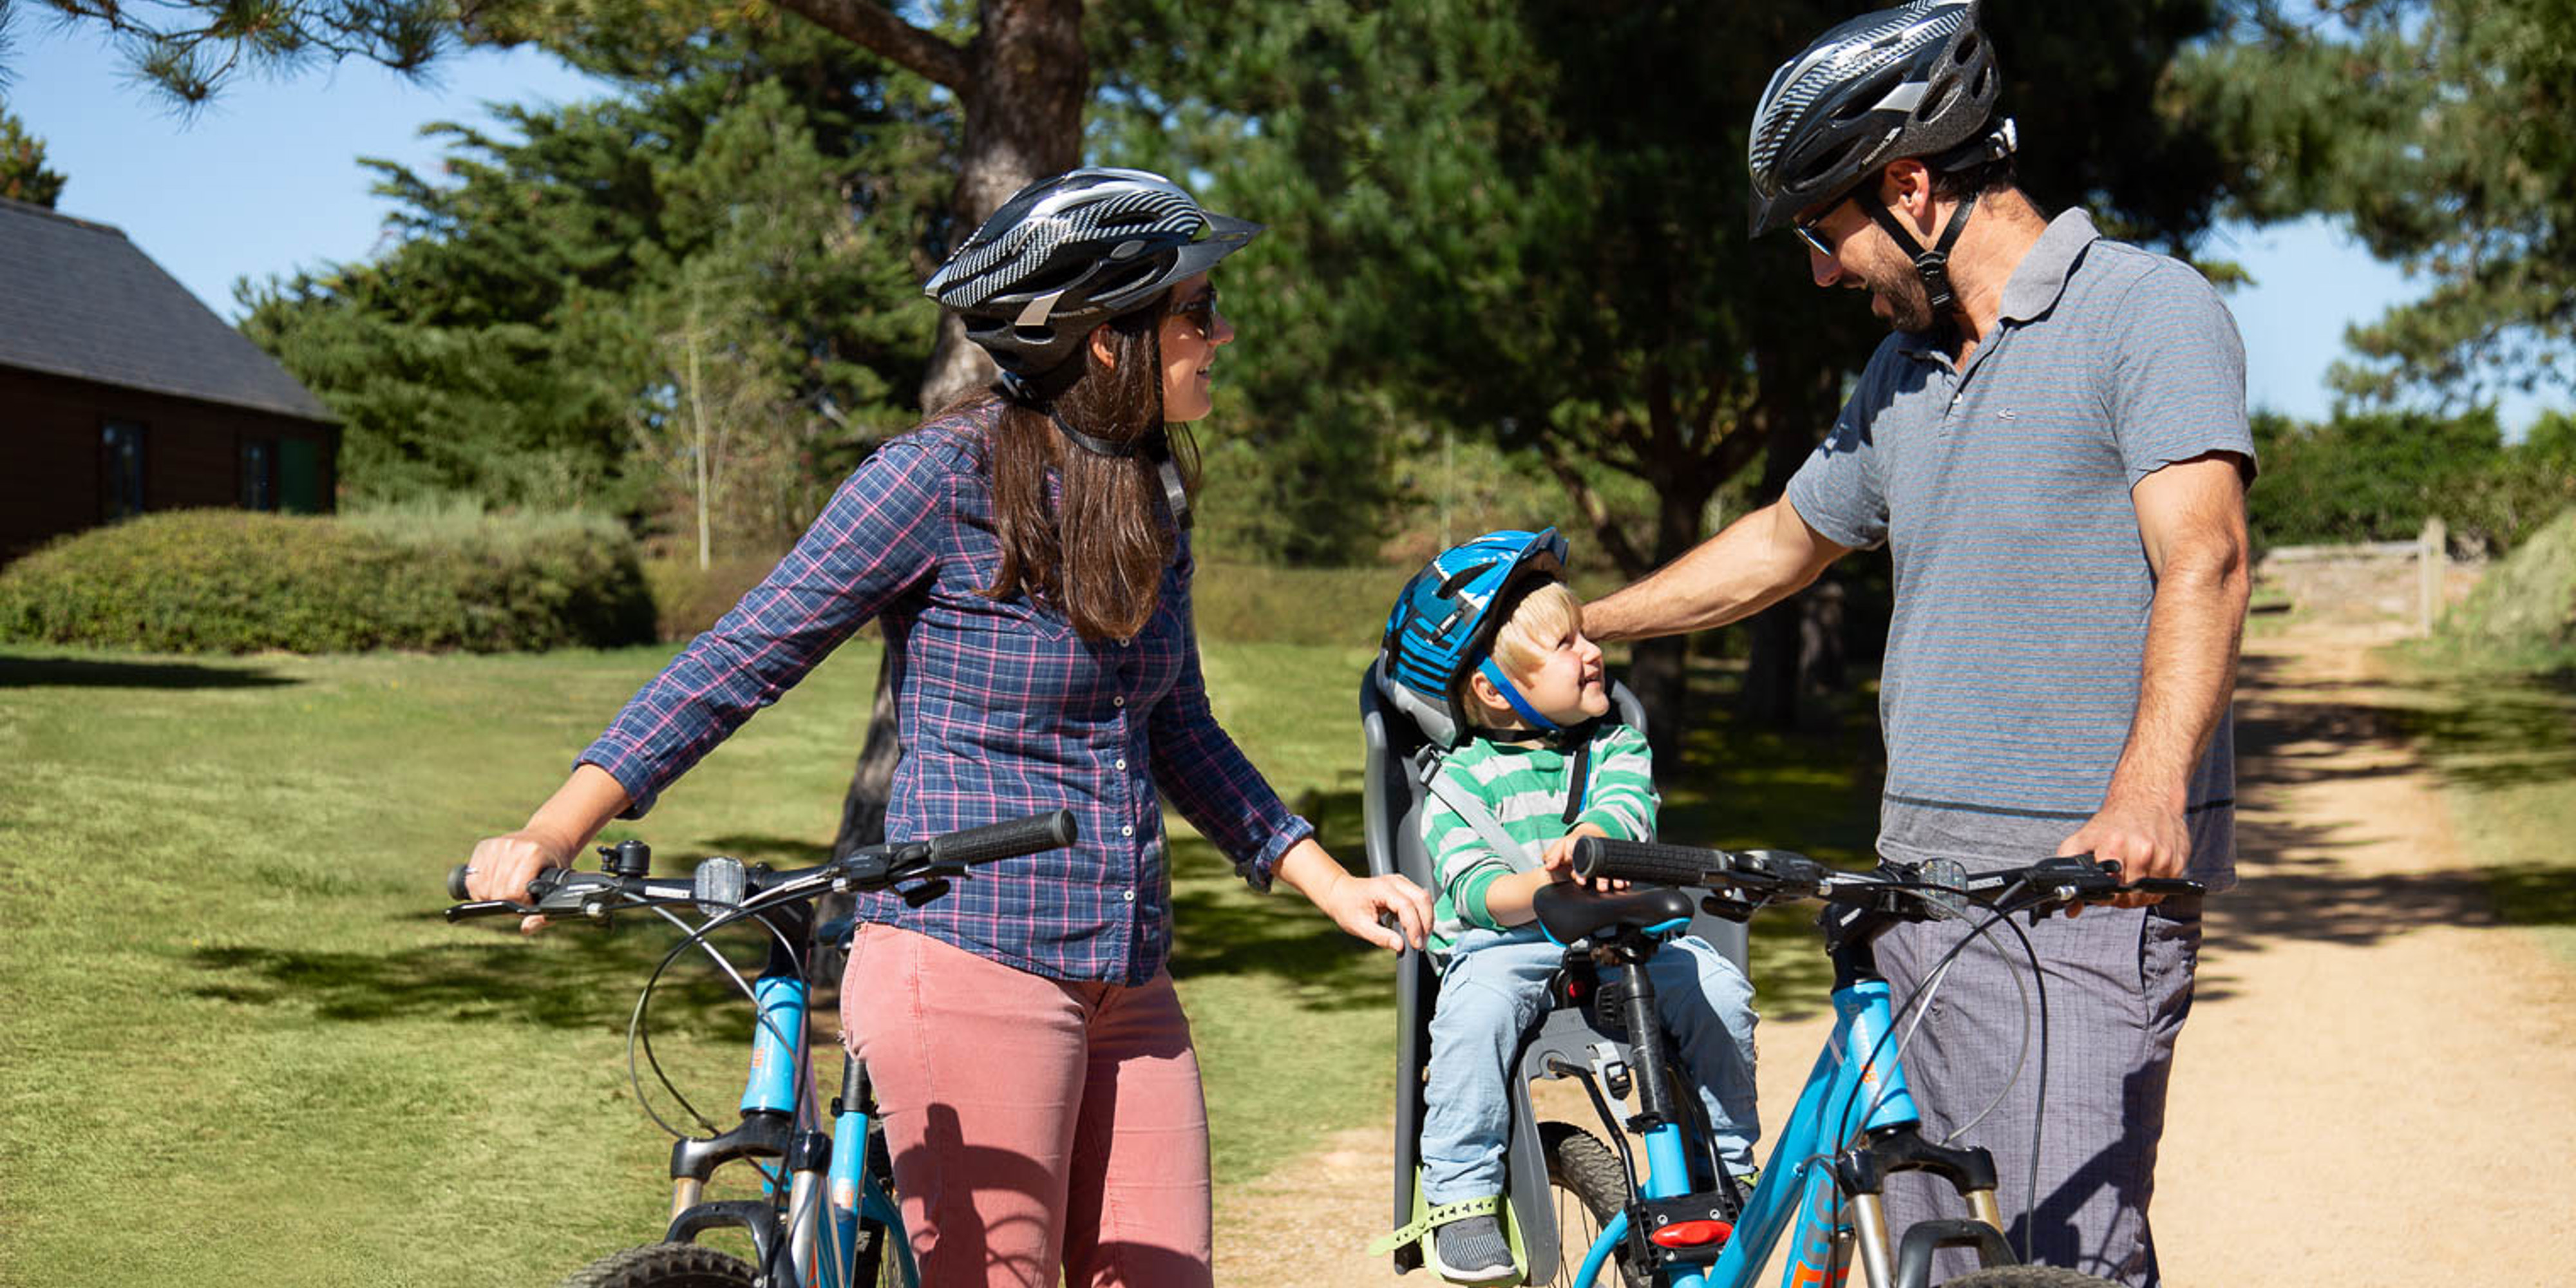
x=77 y=299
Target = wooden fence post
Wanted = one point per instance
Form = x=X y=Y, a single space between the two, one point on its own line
x=2431 y=557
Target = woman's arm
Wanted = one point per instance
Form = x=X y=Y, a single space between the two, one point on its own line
x=1358 y=904
x=503 y=865
x=877 y=538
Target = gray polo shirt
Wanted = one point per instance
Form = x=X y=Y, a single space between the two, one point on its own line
x=2022 y=587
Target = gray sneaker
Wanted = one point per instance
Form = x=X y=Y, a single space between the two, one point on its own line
x=1471 y=1250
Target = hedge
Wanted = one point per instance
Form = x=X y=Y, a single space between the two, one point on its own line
x=234 y=581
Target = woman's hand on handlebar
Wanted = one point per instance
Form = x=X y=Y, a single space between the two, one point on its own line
x=503 y=865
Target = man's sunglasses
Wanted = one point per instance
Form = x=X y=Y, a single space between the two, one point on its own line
x=1812 y=231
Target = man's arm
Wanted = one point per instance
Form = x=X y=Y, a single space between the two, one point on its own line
x=1756 y=562
x=2191 y=518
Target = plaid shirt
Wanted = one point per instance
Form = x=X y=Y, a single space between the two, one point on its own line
x=1004 y=711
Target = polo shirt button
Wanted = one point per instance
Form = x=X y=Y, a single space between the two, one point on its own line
x=1127 y=830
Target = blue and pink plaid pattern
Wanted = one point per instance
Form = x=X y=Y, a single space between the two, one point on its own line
x=1003 y=709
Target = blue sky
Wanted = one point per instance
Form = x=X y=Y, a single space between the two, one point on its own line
x=266 y=181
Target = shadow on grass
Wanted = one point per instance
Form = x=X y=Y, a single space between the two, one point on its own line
x=1220 y=927
x=91 y=673
x=593 y=985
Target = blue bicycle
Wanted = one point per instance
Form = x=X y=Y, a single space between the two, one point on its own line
x=826 y=1217
x=1684 y=1223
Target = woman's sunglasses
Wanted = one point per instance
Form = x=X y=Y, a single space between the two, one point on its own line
x=1200 y=309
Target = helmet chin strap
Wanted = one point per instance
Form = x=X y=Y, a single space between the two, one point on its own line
x=1578 y=789
x=1154 y=445
x=1933 y=265
x=1512 y=694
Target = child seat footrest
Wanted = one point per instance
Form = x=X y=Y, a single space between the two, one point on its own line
x=1427 y=1218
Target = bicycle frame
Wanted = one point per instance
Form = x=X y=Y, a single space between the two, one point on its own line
x=1822 y=1152
x=823 y=1213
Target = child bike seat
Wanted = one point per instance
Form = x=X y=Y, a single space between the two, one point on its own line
x=1392 y=795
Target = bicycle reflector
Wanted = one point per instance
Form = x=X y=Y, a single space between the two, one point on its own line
x=717 y=885
x=1690 y=1234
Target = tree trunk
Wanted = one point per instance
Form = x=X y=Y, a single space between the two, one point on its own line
x=1773 y=674
x=1024 y=80
x=1659 y=669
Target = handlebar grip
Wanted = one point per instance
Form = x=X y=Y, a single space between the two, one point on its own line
x=2168 y=886
x=456 y=880
x=1650 y=862
x=1007 y=839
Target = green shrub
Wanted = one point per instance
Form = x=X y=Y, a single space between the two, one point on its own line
x=235 y=581
x=688 y=599
x=2376 y=476
x=2524 y=608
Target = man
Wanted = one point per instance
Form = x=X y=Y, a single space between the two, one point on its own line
x=2053 y=445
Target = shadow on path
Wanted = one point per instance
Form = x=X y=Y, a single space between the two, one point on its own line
x=2296 y=731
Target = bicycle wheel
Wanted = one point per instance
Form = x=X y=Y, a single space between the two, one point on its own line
x=2028 y=1277
x=1587 y=1187
x=664 y=1265
x=873 y=1263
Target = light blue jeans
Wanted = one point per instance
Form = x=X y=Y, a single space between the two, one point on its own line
x=1492 y=991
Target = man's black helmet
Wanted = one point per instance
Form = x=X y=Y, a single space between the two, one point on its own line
x=1918 y=80
x=1068 y=253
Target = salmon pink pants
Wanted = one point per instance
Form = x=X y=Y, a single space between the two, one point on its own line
x=1034 y=1123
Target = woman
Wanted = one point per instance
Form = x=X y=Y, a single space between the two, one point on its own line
x=1026 y=552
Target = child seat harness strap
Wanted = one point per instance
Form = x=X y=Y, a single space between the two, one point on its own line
x=1522 y=858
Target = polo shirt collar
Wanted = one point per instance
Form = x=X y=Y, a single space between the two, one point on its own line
x=2040 y=278
x=2033 y=288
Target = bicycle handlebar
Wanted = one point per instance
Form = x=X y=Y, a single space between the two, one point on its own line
x=558 y=892
x=1761 y=875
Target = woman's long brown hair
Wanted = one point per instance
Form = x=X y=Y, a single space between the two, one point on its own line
x=1096 y=553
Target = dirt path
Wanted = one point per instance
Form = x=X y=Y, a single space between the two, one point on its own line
x=2377 y=1085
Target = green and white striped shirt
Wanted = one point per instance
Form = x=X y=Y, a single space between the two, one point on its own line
x=1525 y=788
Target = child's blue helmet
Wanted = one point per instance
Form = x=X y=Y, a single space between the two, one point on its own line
x=1445 y=620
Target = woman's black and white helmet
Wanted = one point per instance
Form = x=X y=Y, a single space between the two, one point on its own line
x=1918 y=80
x=1070 y=252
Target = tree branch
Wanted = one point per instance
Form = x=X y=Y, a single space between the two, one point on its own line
x=876 y=29
x=1596 y=512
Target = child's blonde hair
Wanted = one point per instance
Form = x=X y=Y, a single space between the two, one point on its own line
x=1544 y=616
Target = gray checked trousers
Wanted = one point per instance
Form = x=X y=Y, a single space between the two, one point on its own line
x=2119 y=984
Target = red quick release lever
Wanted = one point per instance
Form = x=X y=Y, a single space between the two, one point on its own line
x=1691 y=1234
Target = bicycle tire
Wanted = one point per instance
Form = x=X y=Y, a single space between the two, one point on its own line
x=2028 y=1277
x=664 y=1265
x=870 y=1267
x=1586 y=1186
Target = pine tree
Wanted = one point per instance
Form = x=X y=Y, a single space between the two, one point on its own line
x=2444 y=131
x=23 y=176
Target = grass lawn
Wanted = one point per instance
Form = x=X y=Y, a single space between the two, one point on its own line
x=2501 y=732
x=243 y=1047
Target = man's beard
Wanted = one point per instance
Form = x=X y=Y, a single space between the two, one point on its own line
x=1909 y=306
